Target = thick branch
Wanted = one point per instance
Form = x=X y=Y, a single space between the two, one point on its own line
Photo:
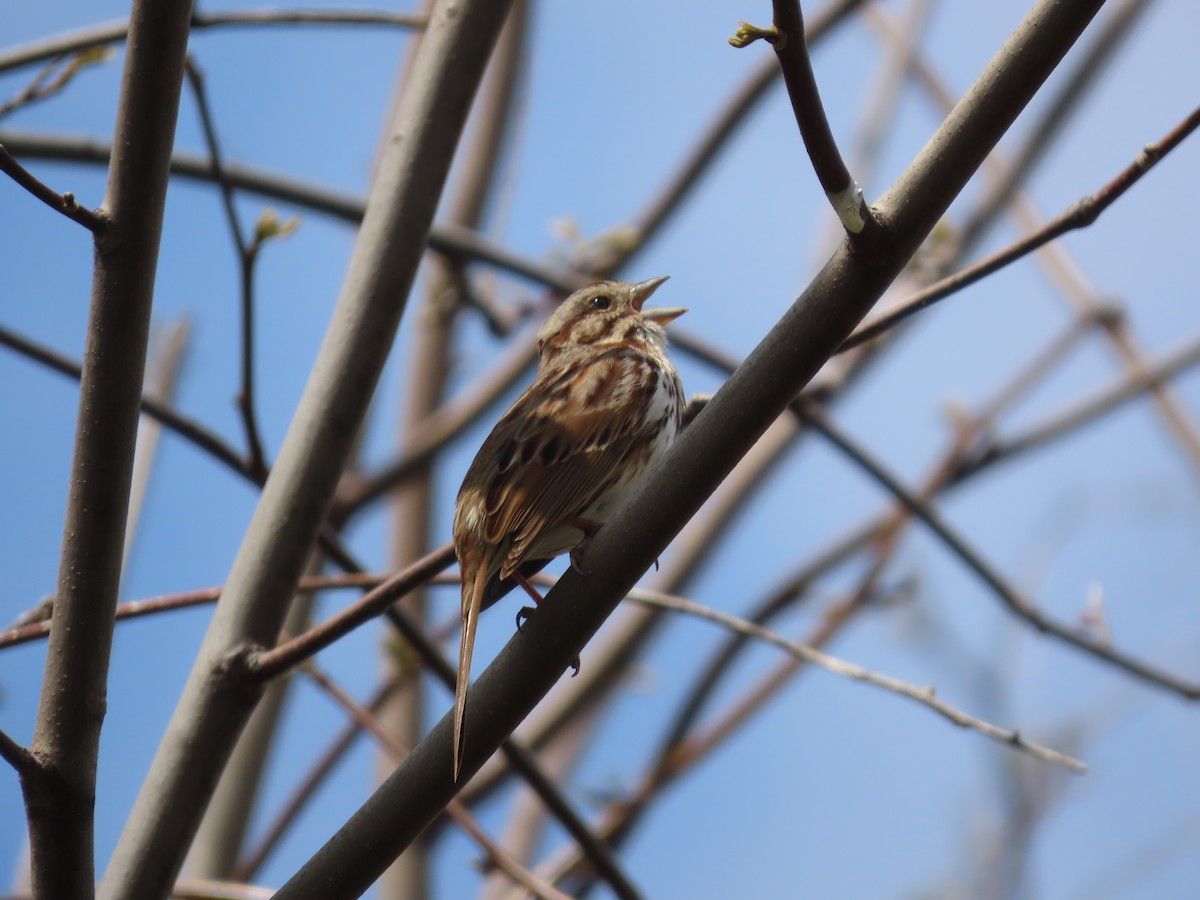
x=286 y=522
x=71 y=710
x=739 y=413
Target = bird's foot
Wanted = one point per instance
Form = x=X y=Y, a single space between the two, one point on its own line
x=575 y=561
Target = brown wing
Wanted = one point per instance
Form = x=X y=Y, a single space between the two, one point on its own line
x=561 y=445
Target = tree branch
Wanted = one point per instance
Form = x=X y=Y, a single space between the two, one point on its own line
x=66 y=204
x=247 y=254
x=71 y=710
x=842 y=191
x=1081 y=214
x=1007 y=595
x=1067 y=421
x=926 y=696
x=113 y=32
x=494 y=854
x=739 y=413
x=267 y=664
x=288 y=517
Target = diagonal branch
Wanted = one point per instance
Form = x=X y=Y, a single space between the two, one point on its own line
x=66 y=204
x=739 y=413
x=254 y=858
x=1081 y=214
x=17 y=756
x=494 y=854
x=1152 y=375
x=926 y=696
x=1007 y=595
x=268 y=664
x=186 y=428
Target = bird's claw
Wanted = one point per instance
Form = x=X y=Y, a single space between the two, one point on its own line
x=522 y=614
x=575 y=667
x=578 y=566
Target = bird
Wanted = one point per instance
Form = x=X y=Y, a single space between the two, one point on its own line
x=605 y=405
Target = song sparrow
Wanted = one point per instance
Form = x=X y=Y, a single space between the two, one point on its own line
x=605 y=405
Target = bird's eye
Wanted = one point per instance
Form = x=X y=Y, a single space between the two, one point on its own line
x=602 y=302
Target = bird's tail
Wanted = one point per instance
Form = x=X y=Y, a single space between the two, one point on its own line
x=472 y=603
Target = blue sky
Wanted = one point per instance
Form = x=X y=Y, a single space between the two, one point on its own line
x=835 y=787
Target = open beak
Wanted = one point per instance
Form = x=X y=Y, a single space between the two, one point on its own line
x=641 y=293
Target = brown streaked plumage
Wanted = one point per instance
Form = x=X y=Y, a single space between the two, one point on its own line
x=605 y=405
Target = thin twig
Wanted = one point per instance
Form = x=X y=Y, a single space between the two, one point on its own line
x=1007 y=595
x=732 y=114
x=93 y=220
x=1053 y=117
x=1067 y=421
x=247 y=254
x=188 y=429
x=63 y=69
x=267 y=664
x=308 y=17
x=926 y=696
x=36 y=623
x=1081 y=295
x=16 y=755
x=113 y=32
x=1081 y=214
x=787 y=37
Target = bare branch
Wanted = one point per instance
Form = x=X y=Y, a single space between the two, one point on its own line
x=113 y=32
x=188 y=429
x=54 y=78
x=287 y=520
x=31 y=625
x=268 y=664
x=843 y=192
x=248 y=867
x=1054 y=116
x=247 y=254
x=926 y=696
x=1081 y=214
x=494 y=854
x=93 y=221
x=1007 y=595
x=17 y=756
x=71 y=710
x=1102 y=402
x=738 y=414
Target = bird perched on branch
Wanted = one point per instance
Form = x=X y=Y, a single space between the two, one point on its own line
x=606 y=404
